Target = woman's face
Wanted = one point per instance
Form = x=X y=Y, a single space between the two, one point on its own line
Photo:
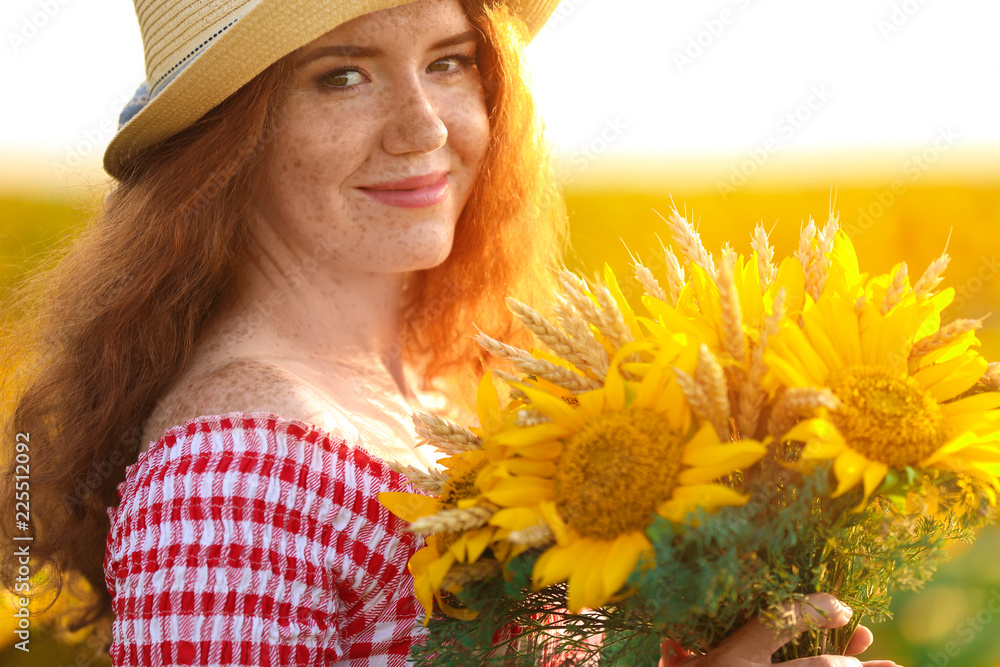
x=388 y=96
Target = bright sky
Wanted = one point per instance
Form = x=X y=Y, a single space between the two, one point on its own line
x=613 y=77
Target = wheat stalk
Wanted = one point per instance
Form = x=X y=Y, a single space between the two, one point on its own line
x=896 y=291
x=649 y=282
x=688 y=240
x=576 y=295
x=509 y=378
x=576 y=350
x=462 y=574
x=446 y=437
x=712 y=378
x=795 y=403
x=992 y=376
x=533 y=536
x=432 y=481
x=675 y=274
x=696 y=397
x=944 y=336
x=765 y=257
x=931 y=277
x=528 y=417
x=452 y=520
x=859 y=305
x=592 y=354
x=813 y=247
x=612 y=321
x=542 y=368
x=731 y=312
x=752 y=395
x=773 y=323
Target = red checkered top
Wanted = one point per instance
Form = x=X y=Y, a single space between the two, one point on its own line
x=252 y=539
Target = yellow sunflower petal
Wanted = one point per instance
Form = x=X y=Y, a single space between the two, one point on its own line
x=531 y=435
x=710 y=495
x=676 y=510
x=456 y=612
x=543 y=451
x=591 y=402
x=975 y=403
x=437 y=570
x=736 y=454
x=421 y=560
x=425 y=596
x=552 y=407
x=515 y=518
x=963 y=379
x=476 y=543
x=849 y=467
x=612 y=284
x=579 y=576
x=555 y=565
x=873 y=475
x=488 y=405
x=520 y=491
x=950 y=448
x=529 y=468
x=622 y=559
x=556 y=524
x=408 y=506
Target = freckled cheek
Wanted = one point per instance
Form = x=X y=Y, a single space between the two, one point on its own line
x=318 y=155
x=469 y=129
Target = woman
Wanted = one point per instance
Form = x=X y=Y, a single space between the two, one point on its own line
x=314 y=206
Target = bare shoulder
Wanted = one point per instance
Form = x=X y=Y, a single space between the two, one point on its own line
x=239 y=385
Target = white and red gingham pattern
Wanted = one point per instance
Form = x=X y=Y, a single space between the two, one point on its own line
x=252 y=539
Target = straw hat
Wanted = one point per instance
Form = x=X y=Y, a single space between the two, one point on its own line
x=200 y=52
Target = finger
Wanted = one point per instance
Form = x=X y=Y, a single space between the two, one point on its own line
x=837 y=661
x=672 y=653
x=755 y=640
x=824 y=661
x=860 y=641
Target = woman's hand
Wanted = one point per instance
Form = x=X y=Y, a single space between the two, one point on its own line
x=754 y=643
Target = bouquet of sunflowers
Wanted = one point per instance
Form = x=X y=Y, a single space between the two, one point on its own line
x=748 y=433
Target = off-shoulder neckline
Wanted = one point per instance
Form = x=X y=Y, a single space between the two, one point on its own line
x=216 y=420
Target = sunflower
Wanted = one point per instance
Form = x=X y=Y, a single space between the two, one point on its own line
x=599 y=472
x=899 y=390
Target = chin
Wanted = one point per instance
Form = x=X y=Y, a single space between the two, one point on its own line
x=428 y=248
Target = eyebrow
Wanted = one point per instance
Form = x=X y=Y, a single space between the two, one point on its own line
x=352 y=51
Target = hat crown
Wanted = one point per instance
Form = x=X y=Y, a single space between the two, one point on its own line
x=175 y=31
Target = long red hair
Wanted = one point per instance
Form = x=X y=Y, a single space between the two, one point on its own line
x=98 y=335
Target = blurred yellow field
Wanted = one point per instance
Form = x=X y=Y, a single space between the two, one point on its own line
x=913 y=223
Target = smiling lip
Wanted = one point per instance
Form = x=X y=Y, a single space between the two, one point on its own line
x=415 y=192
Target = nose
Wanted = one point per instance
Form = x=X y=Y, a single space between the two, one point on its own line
x=413 y=124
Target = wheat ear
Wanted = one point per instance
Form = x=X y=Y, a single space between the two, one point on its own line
x=795 y=403
x=446 y=437
x=944 y=336
x=897 y=289
x=688 y=241
x=431 y=481
x=765 y=257
x=462 y=574
x=932 y=277
x=452 y=520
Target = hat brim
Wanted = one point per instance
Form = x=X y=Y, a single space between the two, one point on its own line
x=266 y=33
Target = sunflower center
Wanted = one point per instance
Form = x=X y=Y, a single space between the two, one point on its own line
x=616 y=471
x=886 y=416
x=460 y=487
